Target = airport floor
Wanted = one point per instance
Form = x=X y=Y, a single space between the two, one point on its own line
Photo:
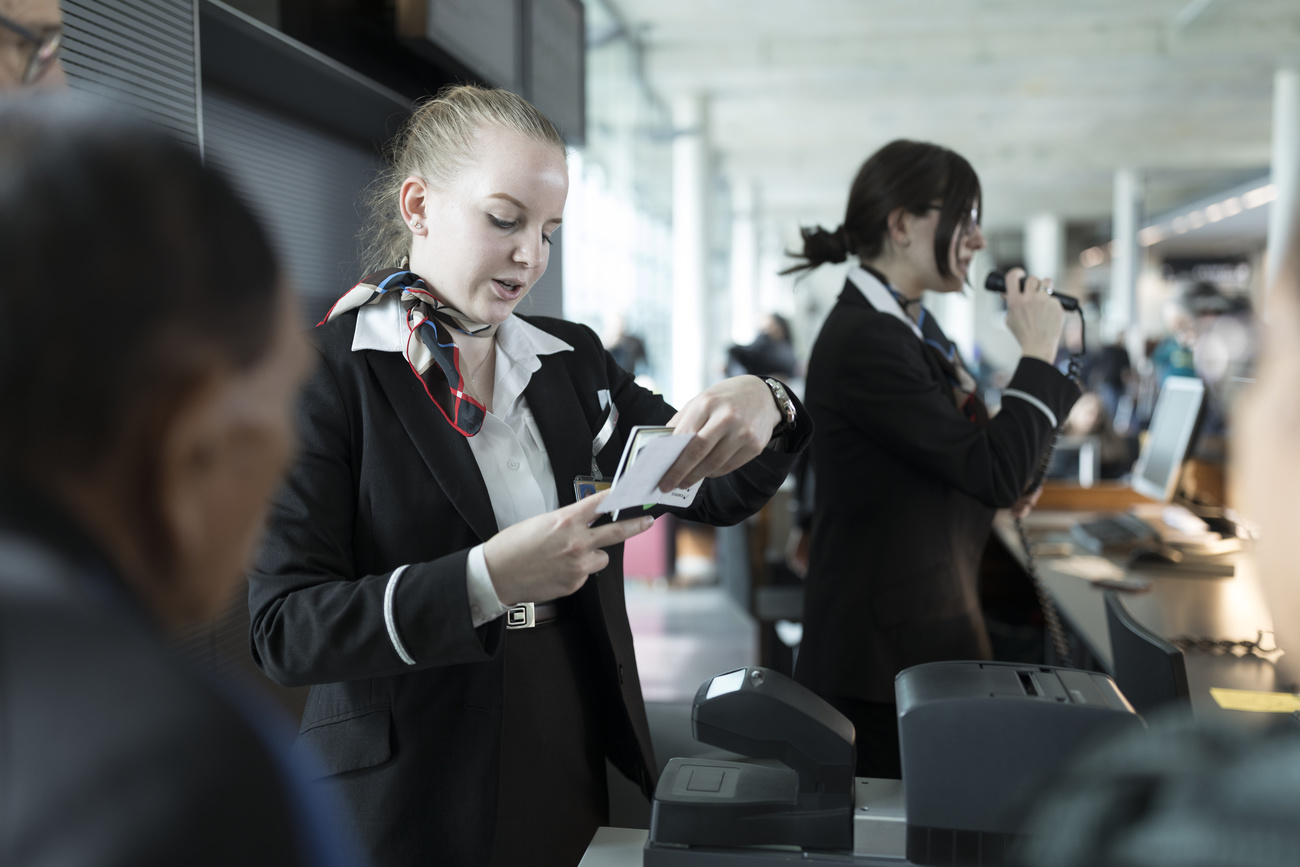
x=683 y=636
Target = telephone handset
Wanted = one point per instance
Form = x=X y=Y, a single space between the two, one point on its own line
x=997 y=282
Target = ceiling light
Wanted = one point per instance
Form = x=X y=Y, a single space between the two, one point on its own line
x=1196 y=219
x=1150 y=235
x=1259 y=196
x=1214 y=213
x=1180 y=225
x=1232 y=207
x=1092 y=257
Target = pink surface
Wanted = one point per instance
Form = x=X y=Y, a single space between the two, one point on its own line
x=646 y=556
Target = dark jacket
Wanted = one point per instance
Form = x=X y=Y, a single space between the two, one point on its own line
x=111 y=752
x=907 y=486
x=384 y=481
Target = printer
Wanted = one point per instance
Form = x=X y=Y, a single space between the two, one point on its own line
x=977 y=739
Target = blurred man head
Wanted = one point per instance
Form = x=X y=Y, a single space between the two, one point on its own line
x=149 y=352
x=30 y=34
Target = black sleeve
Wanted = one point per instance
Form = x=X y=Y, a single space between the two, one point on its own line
x=727 y=499
x=313 y=619
x=889 y=394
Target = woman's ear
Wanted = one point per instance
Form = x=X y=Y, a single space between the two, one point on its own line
x=414 y=199
x=900 y=226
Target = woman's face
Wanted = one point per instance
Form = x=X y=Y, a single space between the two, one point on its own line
x=485 y=238
x=966 y=240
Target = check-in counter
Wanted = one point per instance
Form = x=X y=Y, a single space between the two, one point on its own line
x=1176 y=603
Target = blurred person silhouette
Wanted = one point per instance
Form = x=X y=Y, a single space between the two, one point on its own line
x=626 y=348
x=31 y=32
x=1172 y=356
x=1089 y=418
x=909 y=468
x=771 y=353
x=1186 y=792
x=149 y=359
x=1109 y=372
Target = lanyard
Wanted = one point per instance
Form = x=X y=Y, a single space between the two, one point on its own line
x=602 y=439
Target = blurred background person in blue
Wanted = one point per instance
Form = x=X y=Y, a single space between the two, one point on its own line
x=149 y=359
x=909 y=468
x=30 y=34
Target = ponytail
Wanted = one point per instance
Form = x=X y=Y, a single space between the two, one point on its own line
x=819 y=248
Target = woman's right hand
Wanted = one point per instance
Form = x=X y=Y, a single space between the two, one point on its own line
x=550 y=555
x=1033 y=316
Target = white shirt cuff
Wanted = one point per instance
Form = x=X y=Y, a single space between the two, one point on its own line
x=484 y=604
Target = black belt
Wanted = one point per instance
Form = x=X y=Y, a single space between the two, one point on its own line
x=526 y=615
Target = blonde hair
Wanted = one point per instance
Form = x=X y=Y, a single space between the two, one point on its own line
x=435 y=142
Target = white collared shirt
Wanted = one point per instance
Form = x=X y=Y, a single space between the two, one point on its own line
x=879 y=297
x=508 y=449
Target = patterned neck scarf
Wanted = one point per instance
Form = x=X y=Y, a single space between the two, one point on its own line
x=434 y=356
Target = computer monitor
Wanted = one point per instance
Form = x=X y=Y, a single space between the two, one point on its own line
x=1149 y=671
x=1157 y=469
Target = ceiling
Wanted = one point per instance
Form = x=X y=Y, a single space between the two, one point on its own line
x=1045 y=97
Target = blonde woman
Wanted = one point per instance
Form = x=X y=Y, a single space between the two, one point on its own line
x=443 y=441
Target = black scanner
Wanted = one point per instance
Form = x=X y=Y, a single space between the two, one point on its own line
x=805 y=801
x=978 y=738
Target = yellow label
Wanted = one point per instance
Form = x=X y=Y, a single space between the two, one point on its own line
x=1256 y=702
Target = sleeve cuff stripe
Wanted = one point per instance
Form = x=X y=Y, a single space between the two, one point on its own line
x=1032 y=401
x=390 y=621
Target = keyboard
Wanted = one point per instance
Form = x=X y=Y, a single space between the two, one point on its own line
x=1114 y=534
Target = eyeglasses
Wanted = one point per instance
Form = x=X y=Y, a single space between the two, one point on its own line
x=44 y=47
x=968 y=222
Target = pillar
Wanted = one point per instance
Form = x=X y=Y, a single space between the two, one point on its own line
x=744 y=261
x=690 y=245
x=1045 y=247
x=1122 y=308
x=1286 y=168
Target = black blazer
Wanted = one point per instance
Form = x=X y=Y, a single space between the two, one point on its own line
x=906 y=490
x=111 y=752
x=384 y=481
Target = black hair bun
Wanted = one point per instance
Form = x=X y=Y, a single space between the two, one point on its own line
x=821 y=246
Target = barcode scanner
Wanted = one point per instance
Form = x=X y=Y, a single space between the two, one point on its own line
x=997 y=282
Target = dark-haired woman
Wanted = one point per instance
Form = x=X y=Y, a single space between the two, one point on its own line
x=910 y=469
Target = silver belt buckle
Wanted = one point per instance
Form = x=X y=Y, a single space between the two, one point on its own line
x=520 y=616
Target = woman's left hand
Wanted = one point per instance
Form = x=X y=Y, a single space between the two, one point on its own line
x=732 y=422
x=1026 y=503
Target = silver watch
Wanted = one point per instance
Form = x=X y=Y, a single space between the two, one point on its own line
x=784 y=405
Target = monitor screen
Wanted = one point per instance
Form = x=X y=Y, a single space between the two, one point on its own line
x=1156 y=472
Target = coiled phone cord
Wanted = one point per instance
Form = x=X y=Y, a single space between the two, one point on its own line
x=1052 y=617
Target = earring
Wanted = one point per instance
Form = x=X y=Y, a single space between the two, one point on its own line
x=416 y=226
